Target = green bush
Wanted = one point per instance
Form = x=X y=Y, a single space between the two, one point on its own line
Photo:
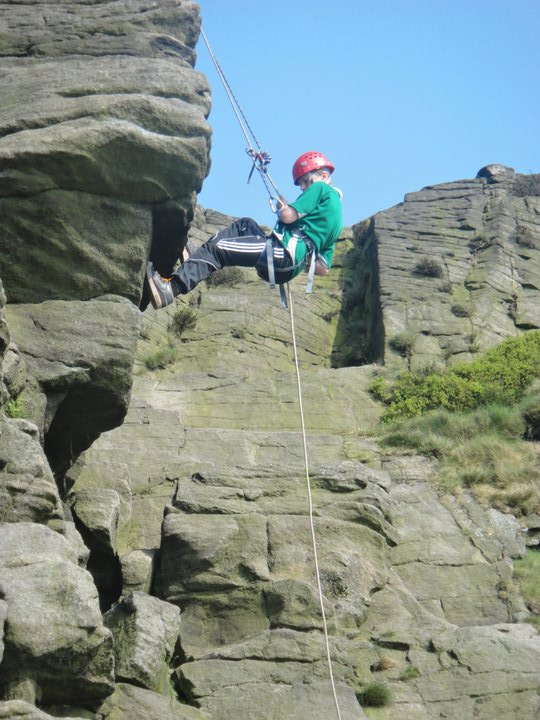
x=185 y=318
x=500 y=375
x=414 y=394
x=15 y=407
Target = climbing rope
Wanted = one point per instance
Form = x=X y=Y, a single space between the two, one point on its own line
x=260 y=160
x=310 y=504
x=259 y=157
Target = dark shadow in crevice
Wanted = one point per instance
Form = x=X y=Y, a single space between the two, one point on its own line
x=170 y=225
x=359 y=336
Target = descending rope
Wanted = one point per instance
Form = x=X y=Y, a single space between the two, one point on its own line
x=260 y=161
x=310 y=503
x=259 y=157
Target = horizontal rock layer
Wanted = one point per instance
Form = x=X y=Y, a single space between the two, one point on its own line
x=103 y=142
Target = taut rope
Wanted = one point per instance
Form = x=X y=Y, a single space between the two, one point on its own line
x=310 y=503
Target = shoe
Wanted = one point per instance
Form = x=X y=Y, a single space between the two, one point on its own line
x=161 y=290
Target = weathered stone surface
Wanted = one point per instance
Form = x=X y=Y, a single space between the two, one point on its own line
x=228 y=552
x=493 y=671
x=97 y=28
x=479 y=243
x=137 y=568
x=214 y=438
x=96 y=514
x=450 y=573
x=145 y=631
x=28 y=491
x=13 y=371
x=13 y=709
x=78 y=358
x=97 y=511
x=103 y=143
x=134 y=703
x=281 y=690
x=56 y=646
x=3 y=616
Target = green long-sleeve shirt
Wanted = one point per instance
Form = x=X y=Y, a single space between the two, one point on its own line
x=319 y=208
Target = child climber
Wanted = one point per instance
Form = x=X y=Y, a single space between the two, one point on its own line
x=306 y=230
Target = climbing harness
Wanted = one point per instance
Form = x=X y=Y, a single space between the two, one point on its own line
x=260 y=161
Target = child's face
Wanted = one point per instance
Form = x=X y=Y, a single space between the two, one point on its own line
x=315 y=175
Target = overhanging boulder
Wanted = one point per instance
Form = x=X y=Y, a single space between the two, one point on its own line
x=103 y=133
x=78 y=357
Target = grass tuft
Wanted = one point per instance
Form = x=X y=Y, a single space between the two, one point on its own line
x=161 y=358
x=481 y=450
x=403 y=342
x=410 y=673
x=374 y=695
x=527 y=572
x=16 y=407
x=429 y=267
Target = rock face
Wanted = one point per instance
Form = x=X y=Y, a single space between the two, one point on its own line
x=56 y=648
x=145 y=630
x=103 y=142
x=28 y=491
x=455 y=266
x=164 y=566
x=417 y=588
x=103 y=145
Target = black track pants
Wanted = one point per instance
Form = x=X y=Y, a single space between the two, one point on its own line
x=243 y=244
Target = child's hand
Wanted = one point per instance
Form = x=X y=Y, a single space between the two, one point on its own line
x=321 y=266
x=276 y=204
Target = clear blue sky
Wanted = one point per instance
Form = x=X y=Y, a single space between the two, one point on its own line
x=400 y=94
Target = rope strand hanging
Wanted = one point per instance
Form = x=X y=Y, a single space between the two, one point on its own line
x=260 y=161
x=310 y=503
x=260 y=157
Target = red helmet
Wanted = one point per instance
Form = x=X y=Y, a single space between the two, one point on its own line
x=310 y=161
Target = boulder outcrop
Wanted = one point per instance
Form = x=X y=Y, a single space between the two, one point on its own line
x=56 y=647
x=450 y=271
x=145 y=631
x=78 y=358
x=103 y=144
